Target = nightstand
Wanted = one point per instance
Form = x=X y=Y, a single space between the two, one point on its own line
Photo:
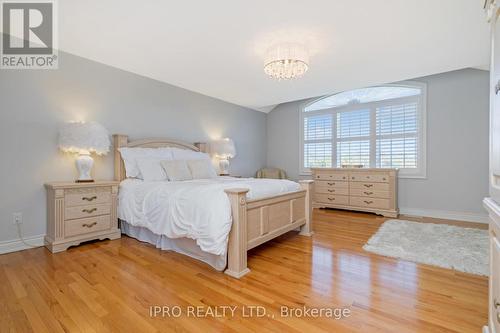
x=79 y=212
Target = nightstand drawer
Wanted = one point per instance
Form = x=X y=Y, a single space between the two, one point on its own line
x=78 y=212
x=87 y=225
x=87 y=198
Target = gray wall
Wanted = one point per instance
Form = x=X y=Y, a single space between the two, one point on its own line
x=34 y=103
x=457 y=145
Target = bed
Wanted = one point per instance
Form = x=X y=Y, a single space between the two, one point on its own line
x=213 y=220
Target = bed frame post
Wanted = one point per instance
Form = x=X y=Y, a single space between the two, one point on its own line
x=237 y=247
x=119 y=141
x=306 y=229
x=202 y=146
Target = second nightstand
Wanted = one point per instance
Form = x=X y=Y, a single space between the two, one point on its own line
x=79 y=212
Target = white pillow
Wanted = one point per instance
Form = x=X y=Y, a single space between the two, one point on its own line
x=202 y=169
x=176 y=170
x=130 y=157
x=151 y=170
x=187 y=155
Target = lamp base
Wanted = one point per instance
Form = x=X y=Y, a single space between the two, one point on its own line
x=224 y=166
x=84 y=164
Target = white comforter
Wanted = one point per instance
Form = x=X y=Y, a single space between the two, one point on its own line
x=196 y=209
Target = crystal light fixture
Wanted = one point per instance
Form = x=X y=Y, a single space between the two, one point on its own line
x=286 y=61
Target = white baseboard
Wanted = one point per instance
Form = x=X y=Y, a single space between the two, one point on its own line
x=17 y=245
x=443 y=214
x=37 y=241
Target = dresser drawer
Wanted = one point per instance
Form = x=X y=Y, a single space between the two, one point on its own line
x=331 y=184
x=370 y=193
x=86 y=225
x=86 y=211
x=369 y=177
x=84 y=199
x=332 y=199
x=331 y=176
x=331 y=190
x=370 y=186
x=332 y=187
x=369 y=202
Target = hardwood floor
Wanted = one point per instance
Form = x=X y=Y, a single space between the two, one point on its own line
x=110 y=286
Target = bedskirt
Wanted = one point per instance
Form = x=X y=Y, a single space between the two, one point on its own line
x=184 y=246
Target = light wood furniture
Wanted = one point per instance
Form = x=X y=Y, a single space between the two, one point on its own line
x=492 y=204
x=79 y=212
x=254 y=221
x=367 y=190
x=110 y=287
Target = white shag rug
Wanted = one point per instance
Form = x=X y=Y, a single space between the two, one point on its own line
x=458 y=248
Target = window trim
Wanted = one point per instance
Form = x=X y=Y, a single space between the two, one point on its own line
x=418 y=173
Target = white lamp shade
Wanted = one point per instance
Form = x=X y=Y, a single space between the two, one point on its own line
x=223 y=148
x=78 y=137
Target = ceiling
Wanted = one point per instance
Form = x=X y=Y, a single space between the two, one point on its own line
x=217 y=47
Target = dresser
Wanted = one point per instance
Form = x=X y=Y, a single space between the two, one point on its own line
x=492 y=203
x=366 y=190
x=79 y=212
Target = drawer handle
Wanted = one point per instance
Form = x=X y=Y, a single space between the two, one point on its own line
x=383 y=178
x=317 y=177
x=368 y=193
x=368 y=202
x=89 y=198
x=496 y=304
x=343 y=177
x=368 y=185
x=353 y=178
x=89 y=225
x=89 y=211
x=368 y=177
x=331 y=199
x=331 y=184
x=331 y=191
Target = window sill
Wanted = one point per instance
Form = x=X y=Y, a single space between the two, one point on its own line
x=403 y=176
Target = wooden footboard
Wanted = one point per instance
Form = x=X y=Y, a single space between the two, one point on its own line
x=258 y=221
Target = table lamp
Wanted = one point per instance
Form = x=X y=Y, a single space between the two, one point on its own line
x=84 y=139
x=223 y=149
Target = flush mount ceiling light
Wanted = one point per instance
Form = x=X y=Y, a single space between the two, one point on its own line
x=286 y=61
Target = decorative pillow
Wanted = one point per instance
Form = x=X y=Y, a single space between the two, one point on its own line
x=176 y=170
x=131 y=155
x=201 y=169
x=188 y=155
x=151 y=170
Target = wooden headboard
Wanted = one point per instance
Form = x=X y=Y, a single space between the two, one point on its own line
x=120 y=141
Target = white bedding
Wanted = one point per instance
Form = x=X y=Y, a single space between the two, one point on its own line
x=196 y=209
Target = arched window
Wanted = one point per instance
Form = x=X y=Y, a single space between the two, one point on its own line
x=376 y=127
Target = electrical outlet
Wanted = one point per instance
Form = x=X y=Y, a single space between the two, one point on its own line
x=17 y=218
